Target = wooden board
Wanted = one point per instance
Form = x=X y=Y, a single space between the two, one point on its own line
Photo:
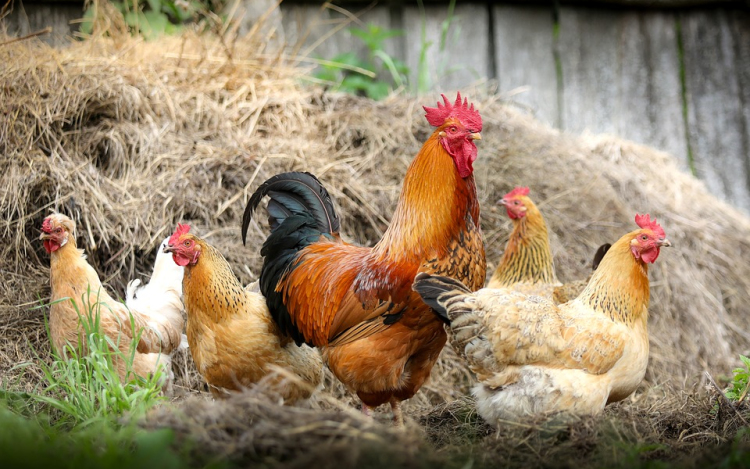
x=716 y=114
x=465 y=57
x=621 y=75
x=29 y=18
x=524 y=59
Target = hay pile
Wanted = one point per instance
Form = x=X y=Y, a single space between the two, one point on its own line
x=130 y=137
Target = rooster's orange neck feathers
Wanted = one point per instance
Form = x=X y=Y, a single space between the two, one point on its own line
x=434 y=206
x=527 y=257
x=619 y=287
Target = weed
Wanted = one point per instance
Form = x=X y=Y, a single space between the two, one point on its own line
x=739 y=384
x=153 y=18
x=371 y=76
x=82 y=385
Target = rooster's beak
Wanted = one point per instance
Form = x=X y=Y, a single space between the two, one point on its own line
x=475 y=136
x=665 y=243
x=168 y=248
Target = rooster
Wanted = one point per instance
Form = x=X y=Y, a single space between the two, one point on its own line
x=379 y=338
x=532 y=357
x=527 y=265
x=76 y=284
x=232 y=337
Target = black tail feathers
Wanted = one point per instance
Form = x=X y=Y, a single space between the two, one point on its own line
x=293 y=193
x=299 y=212
x=437 y=292
x=599 y=255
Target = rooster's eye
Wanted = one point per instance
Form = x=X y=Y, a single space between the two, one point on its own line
x=453 y=129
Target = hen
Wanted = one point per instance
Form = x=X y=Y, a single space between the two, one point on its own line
x=532 y=357
x=380 y=339
x=75 y=283
x=233 y=339
x=160 y=297
x=527 y=265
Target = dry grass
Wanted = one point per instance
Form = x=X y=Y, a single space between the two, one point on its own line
x=130 y=137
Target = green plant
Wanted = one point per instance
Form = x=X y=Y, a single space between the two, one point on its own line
x=371 y=76
x=740 y=382
x=75 y=416
x=153 y=18
x=82 y=385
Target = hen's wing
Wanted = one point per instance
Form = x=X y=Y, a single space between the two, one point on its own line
x=496 y=329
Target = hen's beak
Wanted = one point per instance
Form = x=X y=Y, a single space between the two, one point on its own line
x=475 y=136
x=45 y=236
x=665 y=243
x=169 y=248
x=502 y=202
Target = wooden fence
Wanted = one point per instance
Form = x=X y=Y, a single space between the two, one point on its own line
x=677 y=79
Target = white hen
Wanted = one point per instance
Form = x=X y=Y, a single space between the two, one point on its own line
x=161 y=301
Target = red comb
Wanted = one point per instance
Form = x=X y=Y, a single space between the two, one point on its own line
x=466 y=114
x=181 y=230
x=645 y=222
x=47 y=225
x=519 y=190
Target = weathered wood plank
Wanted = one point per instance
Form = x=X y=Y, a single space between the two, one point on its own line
x=740 y=22
x=28 y=18
x=716 y=121
x=465 y=57
x=524 y=58
x=588 y=53
x=650 y=93
x=307 y=29
x=620 y=73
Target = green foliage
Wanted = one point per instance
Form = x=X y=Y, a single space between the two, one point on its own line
x=31 y=443
x=371 y=76
x=76 y=416
x=82 y=385
x=739 y=385
x=154 y=17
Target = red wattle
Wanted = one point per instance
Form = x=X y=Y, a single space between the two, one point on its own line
x=179 y=260
x=650 y=255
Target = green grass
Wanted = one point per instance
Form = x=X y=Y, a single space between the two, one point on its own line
x=82 y=415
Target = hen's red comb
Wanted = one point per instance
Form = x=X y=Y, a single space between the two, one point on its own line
x=645 y=222
x=181 y=230
x=47 y=225
x=519 y=190
x=462 y=111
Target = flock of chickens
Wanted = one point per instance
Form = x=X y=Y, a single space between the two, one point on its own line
x=381 y=315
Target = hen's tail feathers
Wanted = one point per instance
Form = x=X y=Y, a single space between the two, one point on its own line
x=599 y=255
x=131 y=289
x=300 y=212
x=293 y=193
x=444 y=295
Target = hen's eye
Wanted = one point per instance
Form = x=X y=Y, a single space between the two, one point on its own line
x=453 y=129
x=59 y=230
x=644 y=237
x=187 y=243
x=516 y=202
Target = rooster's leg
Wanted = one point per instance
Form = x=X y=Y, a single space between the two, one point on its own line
x=398 y=417
x=366 y=410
